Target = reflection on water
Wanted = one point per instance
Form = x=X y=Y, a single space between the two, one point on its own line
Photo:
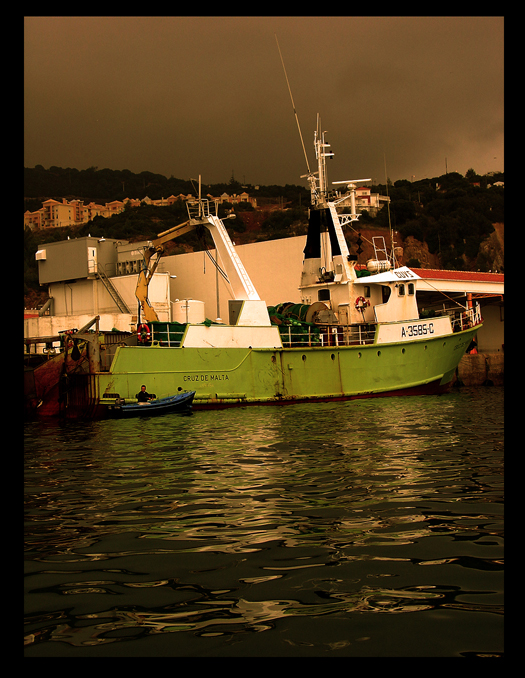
x=184 y=535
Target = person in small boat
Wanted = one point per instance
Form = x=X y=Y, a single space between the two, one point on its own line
x=143 y=396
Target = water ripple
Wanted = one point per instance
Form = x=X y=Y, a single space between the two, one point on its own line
x=251 y=520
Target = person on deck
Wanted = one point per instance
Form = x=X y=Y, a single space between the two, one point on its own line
x=143 y=396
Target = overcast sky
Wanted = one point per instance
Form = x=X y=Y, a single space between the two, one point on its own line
x=185 y=96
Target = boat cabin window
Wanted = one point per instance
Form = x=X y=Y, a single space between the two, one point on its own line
x=411 y=288
x=386 y=293
x=367 y=290
x=323 y=295
x=401 y=290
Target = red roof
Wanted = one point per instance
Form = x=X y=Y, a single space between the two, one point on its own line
x=471 y=276
x=439 y=274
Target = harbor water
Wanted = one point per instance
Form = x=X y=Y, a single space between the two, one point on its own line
x=367 y=528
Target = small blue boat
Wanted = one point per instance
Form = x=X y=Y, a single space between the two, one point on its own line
x=180 y=403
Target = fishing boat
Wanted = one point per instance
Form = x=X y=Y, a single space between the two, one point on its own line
x=180 y=404
x=356 y=332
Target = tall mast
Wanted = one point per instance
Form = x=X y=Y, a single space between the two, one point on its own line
x=321 y=154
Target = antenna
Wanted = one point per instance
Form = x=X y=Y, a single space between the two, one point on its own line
x=350 y=181
x=351 y=186
x=293 y=106
x=388 y=211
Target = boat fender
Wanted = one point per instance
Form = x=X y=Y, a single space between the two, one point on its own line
x=75 y=353
x=144 y=333
x=361 y=303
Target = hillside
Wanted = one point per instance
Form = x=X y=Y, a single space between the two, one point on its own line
x=450 y=222
x=105 y=185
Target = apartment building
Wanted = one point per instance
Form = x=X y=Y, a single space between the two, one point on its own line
x=55 y=214
x=365 y=200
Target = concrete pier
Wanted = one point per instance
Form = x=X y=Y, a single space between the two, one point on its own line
x=480 y=369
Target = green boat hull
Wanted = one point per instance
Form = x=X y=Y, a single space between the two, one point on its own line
x=238 y=376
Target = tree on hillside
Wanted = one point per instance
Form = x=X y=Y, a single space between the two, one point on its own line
x=30 y=265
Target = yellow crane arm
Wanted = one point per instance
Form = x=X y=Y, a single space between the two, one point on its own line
x=174 y=232
x=146 y=274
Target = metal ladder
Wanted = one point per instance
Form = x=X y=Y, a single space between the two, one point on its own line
x=378 y=249
x=119 y=301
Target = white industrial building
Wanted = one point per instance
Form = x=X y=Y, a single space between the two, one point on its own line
x=96 y=276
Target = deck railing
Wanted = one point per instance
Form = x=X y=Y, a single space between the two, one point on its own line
x=199 y=209
x=467 y=319
x=171 y=334
x=167 y=334
x=293 y=336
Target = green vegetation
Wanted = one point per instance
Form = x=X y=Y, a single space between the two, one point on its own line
x=450 y=213
x=106 y=185
x=284 y=224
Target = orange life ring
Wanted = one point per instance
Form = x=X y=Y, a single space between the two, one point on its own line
x=144 y=333
x=361 y=303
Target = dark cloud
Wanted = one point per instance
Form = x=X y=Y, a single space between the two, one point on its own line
x=184 y=96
